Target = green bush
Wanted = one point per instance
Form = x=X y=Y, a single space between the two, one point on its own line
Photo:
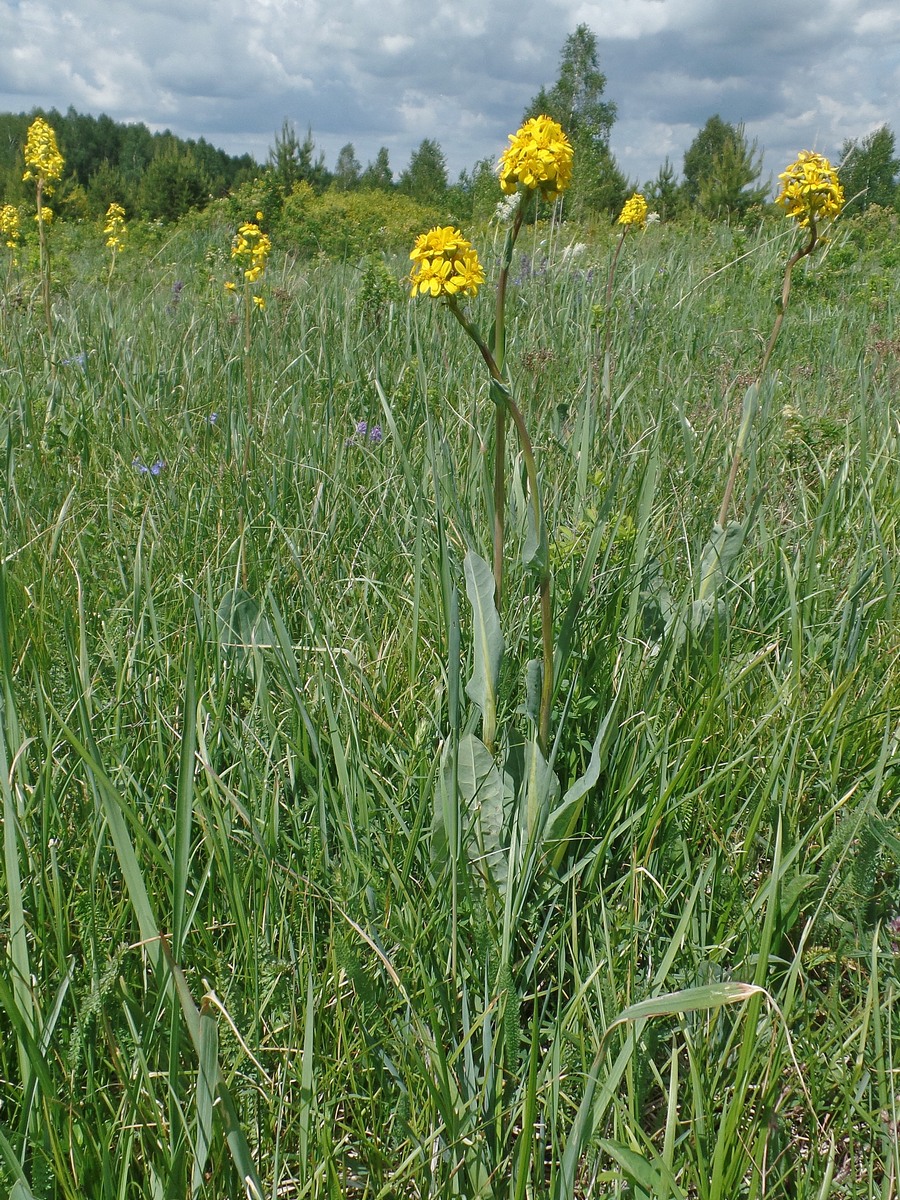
x=347 y=225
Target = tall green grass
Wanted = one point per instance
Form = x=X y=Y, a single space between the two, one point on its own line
x=232 y=963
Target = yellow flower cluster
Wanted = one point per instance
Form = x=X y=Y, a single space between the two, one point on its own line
x=810 y=189
x=251 y=248
x=9 y=225
x=115 y=229
x=634 y=212
x=445 y=264
x=539 y=158
x=42 y=158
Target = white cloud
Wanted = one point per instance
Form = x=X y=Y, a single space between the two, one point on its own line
x=805 y=73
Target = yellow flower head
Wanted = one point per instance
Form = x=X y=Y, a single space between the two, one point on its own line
x=9 y=225
x=634 y=212
x=259 y=302
x=810 y=189
x=445 y=264
x=114 y=228
x=250 y=248
x=539 y=157
x=42 y=158
x=45 y=215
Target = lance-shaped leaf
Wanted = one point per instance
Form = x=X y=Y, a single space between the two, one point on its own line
x=563 y=819
x=540 y=790
x=487 y=643
x=486 y=793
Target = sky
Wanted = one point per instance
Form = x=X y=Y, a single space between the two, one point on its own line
x=800 y=74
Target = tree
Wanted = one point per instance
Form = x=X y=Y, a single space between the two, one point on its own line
x=661 y=193
x=347 y=169
x=576 y=102
x=869 y=170
x=719 y=167
x=576 y=99
x=108 y=185
x=292 y=162
x=378 y=174
x=172 y=185
x=425 y=179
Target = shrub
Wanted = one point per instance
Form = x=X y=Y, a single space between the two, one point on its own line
x=345 y=225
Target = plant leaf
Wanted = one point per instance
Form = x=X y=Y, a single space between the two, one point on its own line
x=487 y=793
x=487 y=642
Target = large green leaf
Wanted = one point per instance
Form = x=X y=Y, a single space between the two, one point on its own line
x=563 y=819
x=487 y=794
x=242 y=627
x=540 y=791
x=487 y=642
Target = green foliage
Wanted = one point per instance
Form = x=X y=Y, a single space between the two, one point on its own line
x=347 y=169
x=378 y=174
x=425 y=178
x=662 y=193
x=868 y=171
x=720 y=166
x=99 y=150
x=172 y=185
x=292 y=162
x=225 y=699
x=348 y=225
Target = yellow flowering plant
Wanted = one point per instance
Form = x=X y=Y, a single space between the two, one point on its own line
x=633 y=216
x=250 y=250
x=634 y=213
x=810 y=190
x=114 y=230
x=536 y=164
x=539 y=158
x=811 y=194
x=44 y=165
x=498 y=803
x=10 y=229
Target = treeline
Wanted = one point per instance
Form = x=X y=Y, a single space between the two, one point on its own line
x=161 y=176
x=153 y=175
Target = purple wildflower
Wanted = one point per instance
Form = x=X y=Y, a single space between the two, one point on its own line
x=375 y=434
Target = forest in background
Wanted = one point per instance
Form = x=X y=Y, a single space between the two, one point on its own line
x=160 y=176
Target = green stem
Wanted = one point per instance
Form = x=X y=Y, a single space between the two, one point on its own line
x=248 y=375
x=544 y=577
x=499 y=497
x=498 y=352
x=770 y=346
x=607 y=327
x=44 y=258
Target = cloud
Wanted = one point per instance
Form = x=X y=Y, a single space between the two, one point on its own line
x=808 y=73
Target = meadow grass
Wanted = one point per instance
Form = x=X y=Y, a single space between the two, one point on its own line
x=232 y=656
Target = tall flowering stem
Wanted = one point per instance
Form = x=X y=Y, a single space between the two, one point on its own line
x=811 y=193
x=10 y=232
x=114 y=230
x=250 y=249
x=445 y=265
x=538 y=161
x=498 y=350
x=44 y=165
x=633 y=216
x=502 y=397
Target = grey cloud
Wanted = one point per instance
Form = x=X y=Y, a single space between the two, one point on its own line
x=395 y=71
